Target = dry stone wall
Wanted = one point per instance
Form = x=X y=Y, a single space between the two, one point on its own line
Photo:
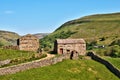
x=33 y=64
x=11 y=47
x=28 y=43
x=111 y=67
x=5 y=62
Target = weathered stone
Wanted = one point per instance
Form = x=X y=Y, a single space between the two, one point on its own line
x=28 y=43
x=33 y=64
x=5 y=62
x=11 y=47
x=72 y=47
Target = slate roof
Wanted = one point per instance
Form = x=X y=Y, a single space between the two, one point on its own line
x=70 y=41
x=28 y=35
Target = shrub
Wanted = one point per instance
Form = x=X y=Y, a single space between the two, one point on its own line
x=91 y=44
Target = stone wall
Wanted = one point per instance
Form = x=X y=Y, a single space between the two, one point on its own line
x=28 y=43
x=33 y=64
x=5 y=62
x=111 y=67
x=11 y=47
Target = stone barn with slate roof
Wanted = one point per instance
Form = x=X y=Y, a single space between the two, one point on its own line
x=73 y=47
x=28 y=43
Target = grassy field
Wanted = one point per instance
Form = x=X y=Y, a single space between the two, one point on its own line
x=11 y=54
x=66 y=70
x=114 y=61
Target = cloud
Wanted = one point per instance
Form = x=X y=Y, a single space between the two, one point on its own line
x=9 y=12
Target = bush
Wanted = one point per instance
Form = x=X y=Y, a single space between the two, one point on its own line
x=91 y=44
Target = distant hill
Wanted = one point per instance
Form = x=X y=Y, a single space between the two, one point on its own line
x=41 y=35
x=8 y=38
x=102 y=28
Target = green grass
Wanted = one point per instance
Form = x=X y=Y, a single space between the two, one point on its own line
x=11 y=54
x=114 y=61
x=66 y=70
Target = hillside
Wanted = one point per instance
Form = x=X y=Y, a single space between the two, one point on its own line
x=100 y=29
x=41 y=35
x=8 y=38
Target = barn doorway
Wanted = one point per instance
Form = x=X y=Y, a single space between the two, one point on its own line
x=74 y=55
x=61 y=50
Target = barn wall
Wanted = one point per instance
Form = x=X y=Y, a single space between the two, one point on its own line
x=28 y=43
x=67 y=48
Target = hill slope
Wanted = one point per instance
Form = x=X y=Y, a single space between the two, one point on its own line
x=102 y=28
x=41 y=35
x=8 y=38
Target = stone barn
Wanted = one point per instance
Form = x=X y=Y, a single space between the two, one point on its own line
x=72 y=47
x=28 y=43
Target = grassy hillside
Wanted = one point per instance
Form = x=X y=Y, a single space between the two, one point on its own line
x=114 y=61
x=8 y=38
x=100 y=29
x=66 y=70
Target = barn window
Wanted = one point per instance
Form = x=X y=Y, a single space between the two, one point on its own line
x=68 y=51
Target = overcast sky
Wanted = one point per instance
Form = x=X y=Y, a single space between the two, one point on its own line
x=44 y=16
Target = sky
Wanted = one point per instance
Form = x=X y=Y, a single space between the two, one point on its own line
x=45 y=16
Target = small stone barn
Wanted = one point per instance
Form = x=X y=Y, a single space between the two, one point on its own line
x=28 y=43
x=73 y=47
